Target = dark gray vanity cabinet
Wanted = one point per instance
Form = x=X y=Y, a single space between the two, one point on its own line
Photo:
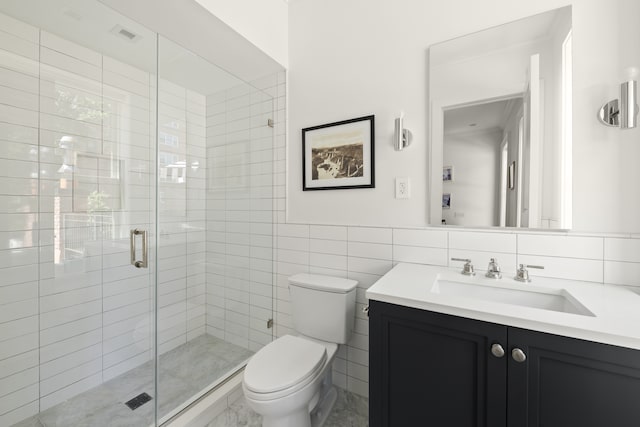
x=431 y=369
x=570 y=382
x=436 y=370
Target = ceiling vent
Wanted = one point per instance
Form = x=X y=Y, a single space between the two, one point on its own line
x=125 y=34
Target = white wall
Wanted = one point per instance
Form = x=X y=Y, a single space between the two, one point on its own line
x=263 y=22
x=371 y=59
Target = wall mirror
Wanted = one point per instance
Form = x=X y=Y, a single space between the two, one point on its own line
x=500 y=125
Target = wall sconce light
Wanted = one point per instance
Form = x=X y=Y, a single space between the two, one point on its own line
x=622 y=113
x=401 y=136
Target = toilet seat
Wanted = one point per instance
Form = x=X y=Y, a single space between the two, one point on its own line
x=284 y=366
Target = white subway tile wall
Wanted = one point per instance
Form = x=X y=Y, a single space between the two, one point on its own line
x=240 y=213
x=74 y=313
x=19 y=253
x=182 y=172
x=366 y=253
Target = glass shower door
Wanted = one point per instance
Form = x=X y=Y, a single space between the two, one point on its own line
x=77 y=146
x=215 y=216
x=136 y=219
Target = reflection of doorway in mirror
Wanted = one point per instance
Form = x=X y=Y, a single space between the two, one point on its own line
x=473 y=141
x=504 y=161
x=511 y=177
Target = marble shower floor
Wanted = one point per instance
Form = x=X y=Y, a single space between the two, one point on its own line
x=350 y=410
x=184 y=371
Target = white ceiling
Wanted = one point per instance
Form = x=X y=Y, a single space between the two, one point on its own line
x=90 y=23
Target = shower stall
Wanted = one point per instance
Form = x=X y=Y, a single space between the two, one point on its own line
x=136 y=218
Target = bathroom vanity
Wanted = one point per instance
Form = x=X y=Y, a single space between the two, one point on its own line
x=451 y=350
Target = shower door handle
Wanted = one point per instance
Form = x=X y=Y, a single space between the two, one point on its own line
x=132 y=241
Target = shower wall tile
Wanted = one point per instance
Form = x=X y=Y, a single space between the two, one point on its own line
x=181 y=250
x=19 y=232
x=15 y=44
x=127 y=293
x=74 y=107
x=68 y=48
x=239 y=193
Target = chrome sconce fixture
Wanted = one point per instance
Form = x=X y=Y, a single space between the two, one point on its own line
x=401 y=136
x=622 y=113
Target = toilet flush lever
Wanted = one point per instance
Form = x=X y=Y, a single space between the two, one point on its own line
x=365 y=310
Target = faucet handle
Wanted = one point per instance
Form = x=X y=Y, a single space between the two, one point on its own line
x=522 y=275
x=467 y=269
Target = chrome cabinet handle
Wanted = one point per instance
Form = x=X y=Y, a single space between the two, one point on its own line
x=145 y=253
x=497 y=350
x=518 y=355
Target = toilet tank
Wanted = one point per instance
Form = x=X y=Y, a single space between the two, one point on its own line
x=323 y=307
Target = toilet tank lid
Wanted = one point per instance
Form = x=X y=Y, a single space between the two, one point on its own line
x=323 y=283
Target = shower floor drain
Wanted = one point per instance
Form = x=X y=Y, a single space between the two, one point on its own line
x=138 y=401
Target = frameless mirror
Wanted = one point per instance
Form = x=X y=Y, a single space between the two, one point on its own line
x=500 y=107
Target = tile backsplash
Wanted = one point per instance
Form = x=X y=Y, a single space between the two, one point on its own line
x=367 y=253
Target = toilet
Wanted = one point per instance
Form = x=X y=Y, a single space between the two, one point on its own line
x=289 y=381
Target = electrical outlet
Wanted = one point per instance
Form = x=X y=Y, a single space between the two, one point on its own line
x=402 y=187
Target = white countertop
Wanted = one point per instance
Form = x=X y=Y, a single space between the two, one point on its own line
x=616 y=310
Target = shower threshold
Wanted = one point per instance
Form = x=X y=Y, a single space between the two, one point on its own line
x=184 y=372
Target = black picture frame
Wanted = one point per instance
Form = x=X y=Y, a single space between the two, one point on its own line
x=340 y=155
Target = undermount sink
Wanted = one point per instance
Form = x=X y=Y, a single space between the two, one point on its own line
x=555 y=300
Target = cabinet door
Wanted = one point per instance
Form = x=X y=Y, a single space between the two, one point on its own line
x=568 y=382
x=431 y=369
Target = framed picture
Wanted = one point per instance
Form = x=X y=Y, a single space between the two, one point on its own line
x=339 y=155
x=446 y=201
x=511 y=176
x=447 y=174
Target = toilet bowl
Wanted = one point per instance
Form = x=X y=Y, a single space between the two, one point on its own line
x=289 y=380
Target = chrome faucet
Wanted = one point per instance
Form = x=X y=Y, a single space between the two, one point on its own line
x=522 y=275
x=467 y=269
x=493 y=270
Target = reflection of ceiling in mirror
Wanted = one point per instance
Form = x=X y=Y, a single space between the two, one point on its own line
x=490 y=115
x=513 y=33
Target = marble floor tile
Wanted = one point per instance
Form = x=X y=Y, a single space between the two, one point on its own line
x=350 y=410
x=183 y=372
x=29 y=422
